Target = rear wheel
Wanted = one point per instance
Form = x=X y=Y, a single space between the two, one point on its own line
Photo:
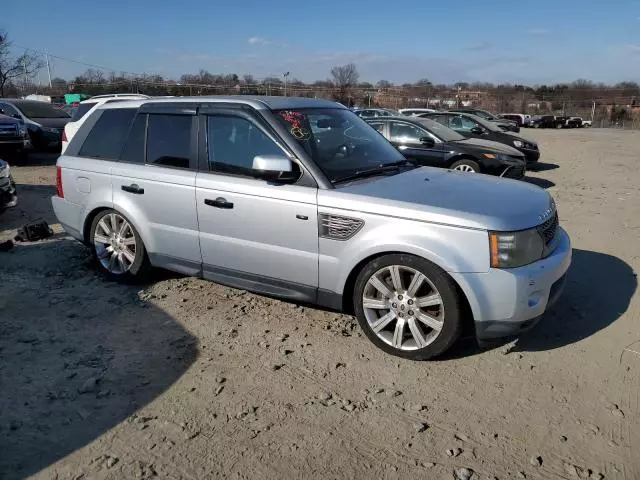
x=117 y=247
x=407 y=306
x=466 y=165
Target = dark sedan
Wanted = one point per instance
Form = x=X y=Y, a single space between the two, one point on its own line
x=503 y=123
x=44 y=122
x=430 y=143
x=472 y=126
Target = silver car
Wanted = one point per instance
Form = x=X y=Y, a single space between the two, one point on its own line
x=301 y=199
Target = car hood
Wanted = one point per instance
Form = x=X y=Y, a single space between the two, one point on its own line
x=515 y=136
x=51 y=122
x=479 y=143
x=446 y=197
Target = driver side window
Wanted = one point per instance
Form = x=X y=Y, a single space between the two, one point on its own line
x=468 y=124
x=405 y=133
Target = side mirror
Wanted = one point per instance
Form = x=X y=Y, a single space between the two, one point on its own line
x=274 y=167
x=477 y=130
x=427 y=141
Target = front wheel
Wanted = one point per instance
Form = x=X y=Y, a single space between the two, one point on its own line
x=407 y=306
x=466 y=165
x=118 y=247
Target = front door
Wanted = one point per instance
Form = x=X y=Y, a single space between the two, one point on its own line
x=253 y=232
x=406 y=137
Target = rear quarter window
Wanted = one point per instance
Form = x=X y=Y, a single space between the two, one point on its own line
x=81 y=111
x=106 y=138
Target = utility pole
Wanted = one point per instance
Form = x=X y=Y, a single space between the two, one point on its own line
x=593 y=111
x=46 y=54
x=285 y=75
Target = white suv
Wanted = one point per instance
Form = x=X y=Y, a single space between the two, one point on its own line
x=88 y=106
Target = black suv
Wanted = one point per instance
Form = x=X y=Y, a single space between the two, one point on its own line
x=14 y=139
x=430 y=143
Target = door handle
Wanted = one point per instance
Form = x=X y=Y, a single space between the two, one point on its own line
x=133 y=188
x=218 y=203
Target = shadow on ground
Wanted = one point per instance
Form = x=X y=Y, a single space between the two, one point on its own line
x=78 y=355
x=542 y=167
x=598 y=291
x=540 y=182
x=34 y=202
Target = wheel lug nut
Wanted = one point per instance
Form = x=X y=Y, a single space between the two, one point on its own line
x=394 y=305
x=410 y=313
x=399 y=297
x=401 y=314
x=410 y=302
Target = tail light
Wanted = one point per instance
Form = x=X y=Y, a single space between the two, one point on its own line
x=64 y=136
x=59 y=190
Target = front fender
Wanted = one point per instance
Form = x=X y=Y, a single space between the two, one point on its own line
x=451 y=248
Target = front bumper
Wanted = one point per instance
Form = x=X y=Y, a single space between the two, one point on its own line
x=8 y=193
x=531 y=155
x=506 y=302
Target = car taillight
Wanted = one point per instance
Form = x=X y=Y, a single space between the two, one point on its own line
x=59 y=190
x=64 y=136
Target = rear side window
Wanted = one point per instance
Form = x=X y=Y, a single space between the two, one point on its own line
x=82 y=110
x=169 y=140
x=133 y=151
x=108 y=134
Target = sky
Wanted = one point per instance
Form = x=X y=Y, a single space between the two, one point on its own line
x=500 y=41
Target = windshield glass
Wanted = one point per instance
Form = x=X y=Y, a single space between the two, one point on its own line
x=440 y=131
x=339 y=141
x=40 y=110
x=486 y=124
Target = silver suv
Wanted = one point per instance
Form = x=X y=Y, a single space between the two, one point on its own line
x=301 y=199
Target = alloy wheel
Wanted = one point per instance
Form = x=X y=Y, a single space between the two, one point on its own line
x=403 y=307
x=115 y=243
x=465 y=168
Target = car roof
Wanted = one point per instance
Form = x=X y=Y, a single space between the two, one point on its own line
x=257 y=102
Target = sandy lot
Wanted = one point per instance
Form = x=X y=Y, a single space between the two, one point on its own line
x=181 y=378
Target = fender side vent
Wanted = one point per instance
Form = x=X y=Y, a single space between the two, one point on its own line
x=337 y=227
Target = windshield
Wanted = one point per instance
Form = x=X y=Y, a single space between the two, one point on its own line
x=40 y=110
x=486 y=124
x=339 y=141
x=440 y=131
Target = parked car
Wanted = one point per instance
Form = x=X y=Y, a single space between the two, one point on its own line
x=43 y=121
x=301 y=199
x=573 y=122
x=432 y=144
x=585 y=123
x=547 y=121
x=471 y=126
x=521 y=119
x=8 y=193
x=86 y=106
x=415 y=111
x=374 y=112
x=507 y=125
x=14 y=140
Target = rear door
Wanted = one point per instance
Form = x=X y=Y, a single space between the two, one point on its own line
x=155 y=184
x=406 y=138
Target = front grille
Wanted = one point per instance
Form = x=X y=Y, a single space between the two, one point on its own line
x=8 y=130
x=549 y=228
x=514 y=172
x=337 y=227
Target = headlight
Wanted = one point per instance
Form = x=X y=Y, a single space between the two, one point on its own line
x=518 y=144
x=22 y=130
x=515 y=249
x=497 y=156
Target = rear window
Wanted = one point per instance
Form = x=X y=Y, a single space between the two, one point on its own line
x=82 y=110
x=108 y=134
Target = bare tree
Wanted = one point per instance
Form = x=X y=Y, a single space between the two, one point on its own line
x=345 y=77
x=15 y=67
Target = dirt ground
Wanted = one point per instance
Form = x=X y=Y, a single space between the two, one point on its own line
x=182 y=378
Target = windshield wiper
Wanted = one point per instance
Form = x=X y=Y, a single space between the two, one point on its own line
x=370 y=172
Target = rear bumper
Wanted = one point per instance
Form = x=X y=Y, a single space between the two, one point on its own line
x=70 y=217
x=507 y=302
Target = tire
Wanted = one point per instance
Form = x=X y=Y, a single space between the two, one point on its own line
x=559 y=126
x=536 y=125
x=465 y=164
x=130 y=262
x=380 y=317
